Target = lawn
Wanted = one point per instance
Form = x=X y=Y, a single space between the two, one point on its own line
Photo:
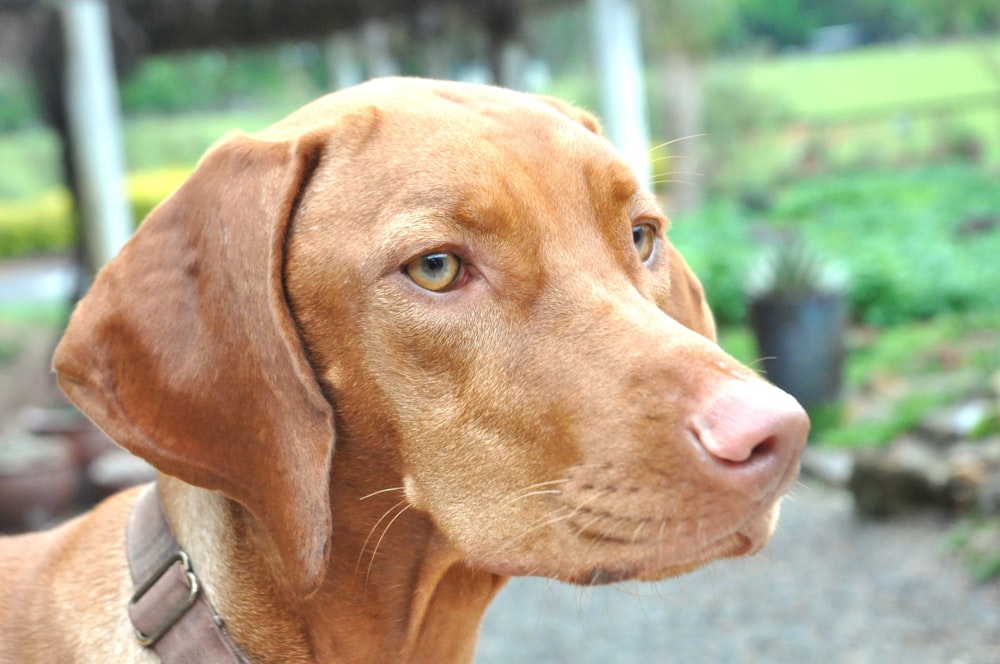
x=834 y=85
x=901 y=97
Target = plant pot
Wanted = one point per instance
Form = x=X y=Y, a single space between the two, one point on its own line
x=801 y=341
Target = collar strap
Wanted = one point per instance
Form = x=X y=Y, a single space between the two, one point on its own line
x=169 y=610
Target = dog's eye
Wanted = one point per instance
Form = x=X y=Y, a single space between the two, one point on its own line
x=644 y=238
x=436 y=271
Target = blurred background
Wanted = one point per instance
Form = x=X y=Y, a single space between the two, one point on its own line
x=831 y=170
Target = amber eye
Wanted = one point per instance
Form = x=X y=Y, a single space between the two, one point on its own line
x=644 y=238
x=435 y=272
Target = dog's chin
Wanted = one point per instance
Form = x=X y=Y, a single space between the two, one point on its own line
x=593 y=562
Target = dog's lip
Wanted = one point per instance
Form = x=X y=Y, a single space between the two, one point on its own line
x=617 y=559
x=652 y=560
x=619 y=528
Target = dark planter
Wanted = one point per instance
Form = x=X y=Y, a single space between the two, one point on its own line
x=801 y=341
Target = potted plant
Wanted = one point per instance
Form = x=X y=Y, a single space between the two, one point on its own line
x=798 y=313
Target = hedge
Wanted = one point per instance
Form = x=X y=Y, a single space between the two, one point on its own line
x=44 y=224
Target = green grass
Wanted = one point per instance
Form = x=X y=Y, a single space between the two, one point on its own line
x=884 y=92
x=818 y=87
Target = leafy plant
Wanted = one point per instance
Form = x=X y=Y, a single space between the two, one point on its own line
x=792 y=269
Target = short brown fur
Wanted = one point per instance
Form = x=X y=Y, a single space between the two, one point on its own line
x=354 y=464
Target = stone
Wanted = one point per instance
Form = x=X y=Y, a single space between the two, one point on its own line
x=830 y=465
x=908 y=476
x=988 y=494
x=948 y=425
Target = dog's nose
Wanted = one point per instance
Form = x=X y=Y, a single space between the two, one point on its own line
x=754 y=428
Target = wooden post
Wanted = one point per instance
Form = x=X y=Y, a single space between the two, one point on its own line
x=95 y=127
x=617 y=45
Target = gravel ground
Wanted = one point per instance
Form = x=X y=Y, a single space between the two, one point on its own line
x=828 y=589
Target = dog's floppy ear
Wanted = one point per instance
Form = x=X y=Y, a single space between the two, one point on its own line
x=685 y=301
x=184 y=351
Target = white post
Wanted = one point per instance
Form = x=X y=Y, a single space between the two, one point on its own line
x=617 y=45
x=342 y=61
x=95 y=127
x=376 y=37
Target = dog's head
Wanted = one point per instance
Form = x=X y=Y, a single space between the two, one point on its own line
x=472 y=283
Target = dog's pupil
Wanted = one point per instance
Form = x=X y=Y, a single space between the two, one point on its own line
x=435 y=263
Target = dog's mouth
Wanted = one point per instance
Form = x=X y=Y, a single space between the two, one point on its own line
x=732 y=546
x=593 y=548
x=656 y=550
x=639 y=529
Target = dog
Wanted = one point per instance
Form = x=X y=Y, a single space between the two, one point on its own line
x=411 y=340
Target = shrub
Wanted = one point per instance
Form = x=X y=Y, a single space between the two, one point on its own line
x=148 y=188
x=904 y=236
x=916 y=244
x=44 y=224
x=35 y=226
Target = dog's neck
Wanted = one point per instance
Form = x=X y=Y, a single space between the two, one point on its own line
x=394 y=589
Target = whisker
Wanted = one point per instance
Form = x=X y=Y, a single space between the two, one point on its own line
x=371 y=561
x=529 y=495
x=671 y=180
x=361 y=554
x=586 y=526
x=528 y=491
x=375 y=493
x=676 y=140
x=548 y=522
x=668 y=157
x=694 y=173
x=638 y=529
x=573 y=512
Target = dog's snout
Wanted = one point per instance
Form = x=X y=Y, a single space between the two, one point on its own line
x=752 y=427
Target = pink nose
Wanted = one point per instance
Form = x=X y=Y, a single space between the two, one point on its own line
x=753 y=427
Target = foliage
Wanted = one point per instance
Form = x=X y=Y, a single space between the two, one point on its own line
x=217 y=79
x=976 y=539
x=16 y=103
x=696 y=28
x=44 y=224
x=715 y=241
x=793 y=269
x=35 y=226
x=742 y=133
x=147 y=189
x=916 y=243
x=785 y=23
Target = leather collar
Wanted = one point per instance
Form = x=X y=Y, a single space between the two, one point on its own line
x=169 y=609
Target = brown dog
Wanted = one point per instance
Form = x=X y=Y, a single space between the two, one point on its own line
x=469 y=288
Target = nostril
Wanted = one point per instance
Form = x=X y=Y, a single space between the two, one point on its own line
x=749 y=424
x=762 y=449
x=729 y=450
